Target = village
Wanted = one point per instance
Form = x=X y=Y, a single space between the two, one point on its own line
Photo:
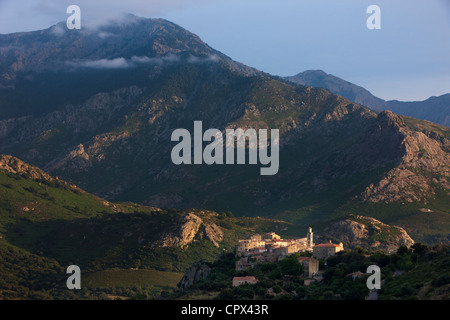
x=269 y=247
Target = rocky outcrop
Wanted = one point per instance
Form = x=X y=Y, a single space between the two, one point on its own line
x=213 y=233
x=369 y=233
x=185 y=231
x=421 y=168
x=198 y=271
x=75 y=160
x=184 y=234
x=16 y=166
x=349 y=231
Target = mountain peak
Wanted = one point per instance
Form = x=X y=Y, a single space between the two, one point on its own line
x=111 y=44
x=313 y=72
x=127 y=36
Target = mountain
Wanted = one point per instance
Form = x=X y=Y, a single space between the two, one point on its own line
x=98 y=107
x=36 y=65
x=353 y=92
x=434 y=109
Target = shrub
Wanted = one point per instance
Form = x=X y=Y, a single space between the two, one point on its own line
x=441 y=281
x=406 y=290
x=277 y=289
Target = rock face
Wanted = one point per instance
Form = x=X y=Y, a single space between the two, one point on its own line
x=213 y=233
x=421 y=168
x=369 y=233
x=184 y=234
x=14 y=165
x=195 y=273
x=186 y=230
x=17 y=166
x=349 y=230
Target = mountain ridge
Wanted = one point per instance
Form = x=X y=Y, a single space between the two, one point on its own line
x=435 y=109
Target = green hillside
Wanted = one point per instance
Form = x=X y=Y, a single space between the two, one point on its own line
x=47 y=224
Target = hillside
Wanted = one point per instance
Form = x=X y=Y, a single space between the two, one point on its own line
x=419 y=272
x=127 y=250
x=47 y=224
x=365 y=232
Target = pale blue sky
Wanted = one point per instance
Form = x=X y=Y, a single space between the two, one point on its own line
x=408 y=59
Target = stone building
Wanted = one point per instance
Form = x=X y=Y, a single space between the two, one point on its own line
x=310 y=265
x=237 y=281
x=291 y=248
x=271 y=236
x=325 y=250
x=244 y=246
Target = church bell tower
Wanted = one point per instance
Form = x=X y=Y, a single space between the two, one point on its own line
x=309 y=238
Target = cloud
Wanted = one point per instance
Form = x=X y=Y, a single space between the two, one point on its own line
x=58 y=30
x=122 y=63
x=104 y=35
x=194 y=59
x=117 y=63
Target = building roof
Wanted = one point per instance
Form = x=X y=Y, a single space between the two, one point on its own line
x=247 y=278
x=327 y=245
x=300 y=259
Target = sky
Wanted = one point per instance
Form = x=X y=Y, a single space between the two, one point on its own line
x=407 y=59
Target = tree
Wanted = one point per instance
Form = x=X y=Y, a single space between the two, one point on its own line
x=267 y=267
x=291 y=266
x=277 y=289
x=244 y=291
x=402 y=250
x=289 y=287
x=275 y=274
x=260 y=291
x=226 y=294
x=420 y=249
x=441 y=281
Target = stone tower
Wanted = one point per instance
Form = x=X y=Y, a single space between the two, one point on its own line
x=309 y=238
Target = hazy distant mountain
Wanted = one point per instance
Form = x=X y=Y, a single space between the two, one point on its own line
x=98 y=107
x=318 y=78
x=434 y=109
